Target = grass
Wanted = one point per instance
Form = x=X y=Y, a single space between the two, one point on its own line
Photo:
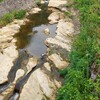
x=9 y=17
x=85 y=52
x=1 y=0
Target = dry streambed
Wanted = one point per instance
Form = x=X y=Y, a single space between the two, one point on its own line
x=56 y=33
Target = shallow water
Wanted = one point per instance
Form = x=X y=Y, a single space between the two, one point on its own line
x=32 y=36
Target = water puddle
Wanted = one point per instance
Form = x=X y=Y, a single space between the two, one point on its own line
x=32 y=36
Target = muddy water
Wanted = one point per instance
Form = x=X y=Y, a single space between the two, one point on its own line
x=32 y=36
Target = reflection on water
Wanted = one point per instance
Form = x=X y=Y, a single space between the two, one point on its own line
x=31 y=35
x=36 y=46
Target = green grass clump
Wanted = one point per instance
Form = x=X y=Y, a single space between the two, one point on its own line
x=9 y=17
x=20 y=14
x=86 y=51
x=1 y=0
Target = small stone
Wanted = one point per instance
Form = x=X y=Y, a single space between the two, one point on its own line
x=47 y=31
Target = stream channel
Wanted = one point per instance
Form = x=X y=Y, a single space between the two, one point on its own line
x=31 y=39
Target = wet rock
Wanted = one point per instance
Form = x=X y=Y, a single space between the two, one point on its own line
x=56 y=3
x=58 y=61
x=47 y=31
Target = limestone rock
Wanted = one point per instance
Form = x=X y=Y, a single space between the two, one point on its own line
x=55 y=41
x=65 y=32
x=19 y=74
x=47 y=66
x=11 y=51
x=56 y=3
x=31 y=63
x=19 y=22
x=47 y=31
x=54 y=17
x=39 y=85
x=34 y=10
x=6 y=63
x=66 y=28
x=58 y=61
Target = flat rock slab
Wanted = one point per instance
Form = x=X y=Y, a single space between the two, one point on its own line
x=58 y=61
x=6 y=62
x=65 y=33
x=56 y=3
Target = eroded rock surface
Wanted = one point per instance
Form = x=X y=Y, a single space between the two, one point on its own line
x=56 y=3
x=64 y=37
x=6 y=62
x=58 y=61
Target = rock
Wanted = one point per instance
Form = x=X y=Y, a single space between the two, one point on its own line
x=66 y=28
x=39 y=85
x=54 y=17
x=31 y=63
x=19 y=74
x=42 y=1
x=34 y=10
x=7 y=58
x=65 y=33
x=19 y=22
x=11 y=51
x=58 y=61
x=1 y=97
x=47 y=66
x=47 y=31
x=8 y=31
x=14 y=40
x=56 y=3
x=55 y=41
x=15 y=27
